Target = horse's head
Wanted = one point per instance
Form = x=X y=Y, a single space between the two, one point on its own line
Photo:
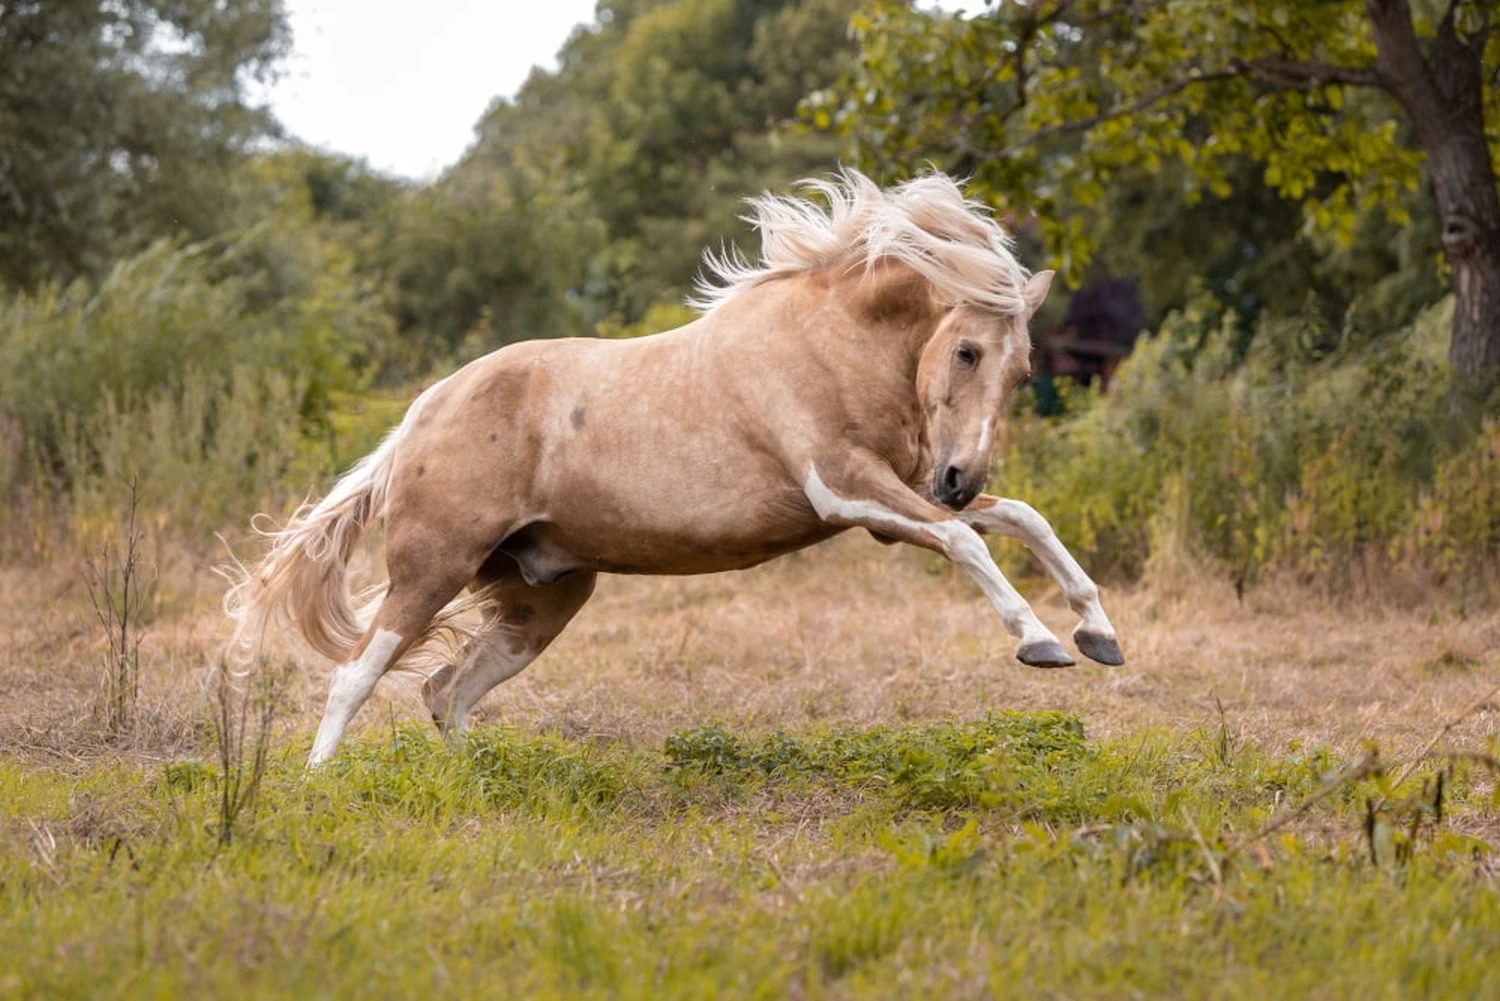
x=970 y=366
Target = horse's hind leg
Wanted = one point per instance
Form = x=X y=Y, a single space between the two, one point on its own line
x=430 y=558
x=520 y=621
x=404 y=614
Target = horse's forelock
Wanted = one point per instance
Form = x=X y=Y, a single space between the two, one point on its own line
x=926 y=224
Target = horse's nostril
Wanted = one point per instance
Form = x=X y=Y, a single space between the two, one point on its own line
x=952 y=479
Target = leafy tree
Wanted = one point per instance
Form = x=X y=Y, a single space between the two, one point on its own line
x=119 y=122
x=585 y=201
x=1250 y=253
x=495 y=255
x=1048 y=103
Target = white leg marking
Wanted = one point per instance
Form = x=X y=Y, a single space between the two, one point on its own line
x=1020 y=520
x=351 y=686
x=495 y=658
x=961 y=544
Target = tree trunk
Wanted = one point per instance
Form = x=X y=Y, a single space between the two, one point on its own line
x=1444 y=98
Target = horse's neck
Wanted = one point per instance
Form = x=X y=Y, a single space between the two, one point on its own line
x=894 y=310
x=878 y=358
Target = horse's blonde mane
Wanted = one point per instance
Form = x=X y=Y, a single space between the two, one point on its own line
x=926 y=224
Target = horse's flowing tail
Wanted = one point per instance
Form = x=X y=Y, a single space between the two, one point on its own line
x=303 y=580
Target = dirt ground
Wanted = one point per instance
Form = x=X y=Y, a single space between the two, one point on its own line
x=848 y=632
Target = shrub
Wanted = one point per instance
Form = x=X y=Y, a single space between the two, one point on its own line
x=1282 y=461
x=209 y=370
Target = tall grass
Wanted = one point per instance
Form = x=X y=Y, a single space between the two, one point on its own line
x=1282 y=461
x=212 y=373
x=204 y=371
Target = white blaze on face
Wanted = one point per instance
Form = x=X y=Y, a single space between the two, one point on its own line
x=987 y=423
x=984 y=436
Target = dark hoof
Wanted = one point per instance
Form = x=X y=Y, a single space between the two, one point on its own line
x=1103 y=649
x=432 y=689
x=1048 y=653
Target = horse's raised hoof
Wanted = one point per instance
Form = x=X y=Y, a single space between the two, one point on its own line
x=1044 y=653
x=432 y=694
x=1097 y=647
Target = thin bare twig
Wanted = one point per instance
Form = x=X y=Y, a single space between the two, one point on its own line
x=113 y=580
x=1447 y=728
x=1366 y=766
x=240 y=779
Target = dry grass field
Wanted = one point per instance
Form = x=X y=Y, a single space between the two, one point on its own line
x=696 y=797
x=850 y=633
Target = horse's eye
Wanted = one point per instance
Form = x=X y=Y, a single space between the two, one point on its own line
x=967 y=356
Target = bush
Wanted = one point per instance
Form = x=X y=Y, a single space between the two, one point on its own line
x=1281 y=461
x=208 y=370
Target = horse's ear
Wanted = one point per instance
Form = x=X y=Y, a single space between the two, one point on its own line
x=1035 y=290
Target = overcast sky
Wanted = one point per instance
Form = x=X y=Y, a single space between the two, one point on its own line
x=403 y=84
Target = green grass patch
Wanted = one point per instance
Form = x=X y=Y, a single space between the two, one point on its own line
x=1006 y=856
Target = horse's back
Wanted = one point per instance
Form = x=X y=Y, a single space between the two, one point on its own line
x=623 y=456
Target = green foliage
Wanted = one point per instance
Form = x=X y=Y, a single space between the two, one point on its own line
x=660 y=316
x=945 y=766
x=1457 y=521
x=1275 y=422
x=1008 y=95
x=221 y=354
x=172 y=368
x=1292 y=460
x=588 y=199
x=545 y=777
x=269 y=299
x=1103 y=127
x=120 y=123
x=206 y=458
x=155 y=317
x=497 y=258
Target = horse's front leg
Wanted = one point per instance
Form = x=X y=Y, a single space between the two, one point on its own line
x=1094 y=636
x=861 y=491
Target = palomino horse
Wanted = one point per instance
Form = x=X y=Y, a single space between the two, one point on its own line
x=853 y=378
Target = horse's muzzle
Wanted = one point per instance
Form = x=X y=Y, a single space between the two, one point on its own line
x=953 y=489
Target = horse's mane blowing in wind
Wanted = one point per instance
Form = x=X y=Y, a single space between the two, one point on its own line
x=926 y=224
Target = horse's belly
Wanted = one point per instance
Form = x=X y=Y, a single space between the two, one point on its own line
x=702 y=538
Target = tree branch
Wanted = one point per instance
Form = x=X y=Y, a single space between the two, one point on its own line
x=1286 y=73
x=1449 y=17
x=1139 y=104
x=1399 y=60
x=1297 y=75
x=1287 y=49
x=1449 y=27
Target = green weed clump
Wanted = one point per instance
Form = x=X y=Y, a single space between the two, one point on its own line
x=544 y=776
x=1280 y=460
x=1001 y=758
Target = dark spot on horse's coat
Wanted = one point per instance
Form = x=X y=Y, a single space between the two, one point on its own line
x=494 y=436
x=577 y=417
x=421 y=470
x=521 y=614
